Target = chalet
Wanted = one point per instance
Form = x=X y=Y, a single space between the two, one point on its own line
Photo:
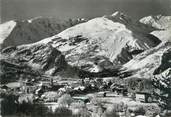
x=27 y=86
x=83 y=99
x=15 y=86
x=141 y=88
x=119 y=88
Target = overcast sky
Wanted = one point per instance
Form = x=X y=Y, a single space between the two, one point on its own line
x=25 y=9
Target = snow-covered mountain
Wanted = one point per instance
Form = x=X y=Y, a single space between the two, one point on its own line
x=15 y=33
x=103 y=42
x=162 y=25
x=155 y=61
x=154 y=64
x=6 y=29
x=159 y=21
x=98 y=45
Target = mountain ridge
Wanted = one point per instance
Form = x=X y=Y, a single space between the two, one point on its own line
x=33 y=30
x=94 y=47
x=162 y=25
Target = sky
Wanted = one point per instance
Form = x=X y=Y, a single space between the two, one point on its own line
x=64 y=9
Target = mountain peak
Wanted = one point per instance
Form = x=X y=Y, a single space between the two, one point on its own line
x=5 y=29
x=118 y=13
x=158 y=21
x=120 y=17
x=35 y=18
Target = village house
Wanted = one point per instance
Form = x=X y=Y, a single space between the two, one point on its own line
x=141 y=89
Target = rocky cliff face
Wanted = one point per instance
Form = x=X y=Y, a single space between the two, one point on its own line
x=11 y=71
x=38 y=56
x=15 y=33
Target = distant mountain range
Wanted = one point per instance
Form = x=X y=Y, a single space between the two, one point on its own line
x=15 y=33
x=100 y=46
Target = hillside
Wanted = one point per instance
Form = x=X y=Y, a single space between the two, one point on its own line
x=11 y=72
x=155 y=61
x=40 y=57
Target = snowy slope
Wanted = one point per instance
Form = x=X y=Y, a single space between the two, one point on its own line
x=102 y=42
x=162 y=25
x=15 y=33
x=164 y=35
x=6 y=29
x=159 y=21
x=164 y=78
x=151 y=62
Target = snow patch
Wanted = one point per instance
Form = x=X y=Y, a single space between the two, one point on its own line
x=6 y=29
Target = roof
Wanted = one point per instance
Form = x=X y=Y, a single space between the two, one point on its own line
x=143 y=93
x=13 y=85
x=80 y=98
x=138 y=78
